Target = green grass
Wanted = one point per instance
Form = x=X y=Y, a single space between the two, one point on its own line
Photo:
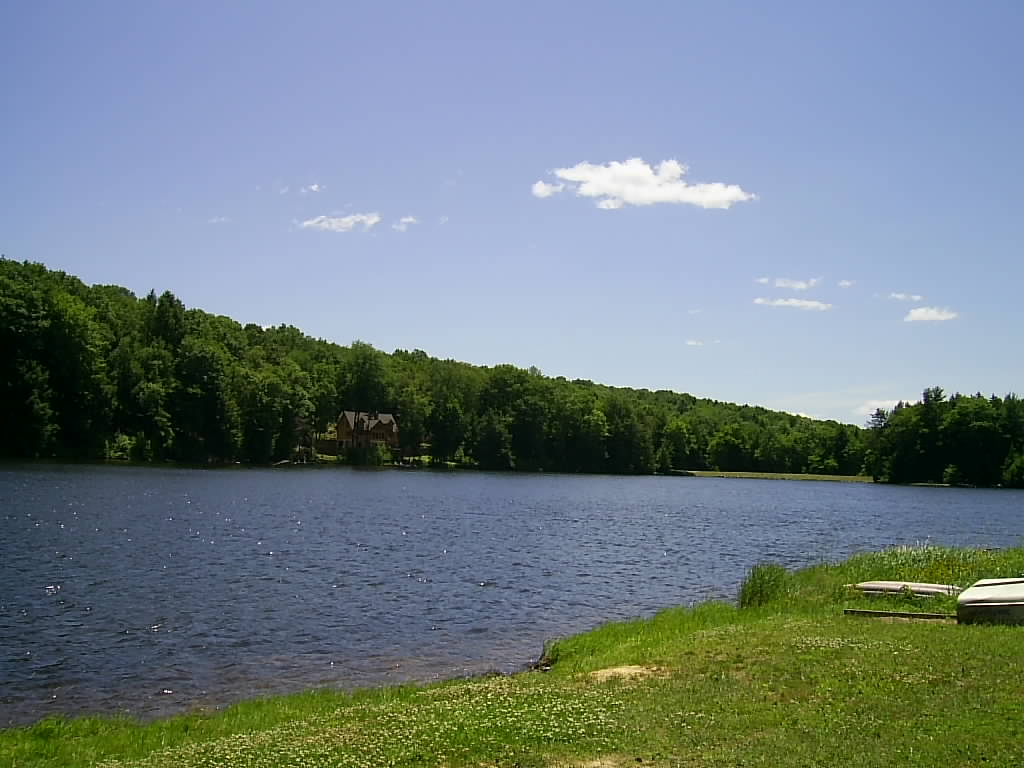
x=781 y=476
x=787 y=681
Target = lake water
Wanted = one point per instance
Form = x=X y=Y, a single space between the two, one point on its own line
x=151 y=591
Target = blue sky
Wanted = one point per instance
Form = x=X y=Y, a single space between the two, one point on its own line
x=710 y=173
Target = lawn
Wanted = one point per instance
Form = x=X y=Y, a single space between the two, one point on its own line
x=785 y=680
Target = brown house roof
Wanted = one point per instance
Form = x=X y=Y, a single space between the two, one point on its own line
x=370 y=420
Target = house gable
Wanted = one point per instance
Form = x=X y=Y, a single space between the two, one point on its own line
x=360 y=428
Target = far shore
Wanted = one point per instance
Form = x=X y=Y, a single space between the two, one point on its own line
x=780 y=476
x=329 y=462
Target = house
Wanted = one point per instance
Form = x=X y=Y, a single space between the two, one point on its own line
x=362 y=429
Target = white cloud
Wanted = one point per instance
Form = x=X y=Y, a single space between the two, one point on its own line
x=846 y=283
x=868 y=407
x=694 y=311
x=218 y=220
x=311 y=188
x=443 y=220
x=404 y=223
x=788 y=282
x=906 y=296
x=807 y=304
x=342 y=223
x=929 y=314
x=694 y=343
x=283 y=191
x=542 y=189
x=634 y=182
x=796 y=285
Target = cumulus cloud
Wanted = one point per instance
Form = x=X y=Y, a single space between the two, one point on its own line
x=808 y=304
x=542 y=189
x=796 y=285
x=634 y=182
x=342 y=223
x=846 y=283
x=404 y=223
x=788 y=282
x=218 y=220
x=311 y=188
x=929 y=314
x=906 y=296
x=868 y=407
x=694 y=343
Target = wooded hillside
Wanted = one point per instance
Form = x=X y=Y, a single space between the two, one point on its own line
x=95 y=372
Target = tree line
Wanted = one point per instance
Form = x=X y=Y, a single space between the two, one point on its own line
x=960 y=440
x=96 y=372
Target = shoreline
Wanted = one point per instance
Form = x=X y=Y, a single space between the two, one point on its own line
x=449 y=467
x=452 y=467
x=782 y=678
x=780 y=476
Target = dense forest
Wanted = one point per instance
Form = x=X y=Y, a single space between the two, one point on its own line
x=962 y=440
x=95 y=372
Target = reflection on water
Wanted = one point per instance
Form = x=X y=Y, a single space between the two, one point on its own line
x=151 y=591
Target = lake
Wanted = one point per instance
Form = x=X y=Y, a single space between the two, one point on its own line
x=151 y=591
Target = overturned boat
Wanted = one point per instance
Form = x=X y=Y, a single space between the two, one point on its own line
x=992 y=601
x=916 y=588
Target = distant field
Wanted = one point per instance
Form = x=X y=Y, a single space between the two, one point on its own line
x=783 y=476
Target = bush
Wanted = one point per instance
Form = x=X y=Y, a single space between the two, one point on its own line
x=952 y=475
x=765 y=583
x=1013 y=472
x=120 y=447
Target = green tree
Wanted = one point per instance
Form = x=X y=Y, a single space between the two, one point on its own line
x=205 y=413
x=730 y=450
x=75 y=357
x=681 y=445
x=363 y=384
x=414 y=412
x=493 y=448
x=29 y=422
x=168 y=324
x=1013 y=471
x=977 y=447
x=628 y=444
x=447 y=428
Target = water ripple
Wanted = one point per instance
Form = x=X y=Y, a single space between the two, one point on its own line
x=149 y=591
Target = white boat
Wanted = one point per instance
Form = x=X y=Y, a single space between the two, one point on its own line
x=992 y=601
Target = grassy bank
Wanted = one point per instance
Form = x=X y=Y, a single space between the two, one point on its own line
x=781 y=476
x=786 y=679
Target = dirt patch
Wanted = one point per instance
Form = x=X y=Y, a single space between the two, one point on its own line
x=628 y=672
x=611 y=761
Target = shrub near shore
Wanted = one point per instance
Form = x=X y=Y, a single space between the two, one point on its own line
x=785 y=680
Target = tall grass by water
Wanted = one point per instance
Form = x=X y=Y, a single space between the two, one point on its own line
x=782 y=678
